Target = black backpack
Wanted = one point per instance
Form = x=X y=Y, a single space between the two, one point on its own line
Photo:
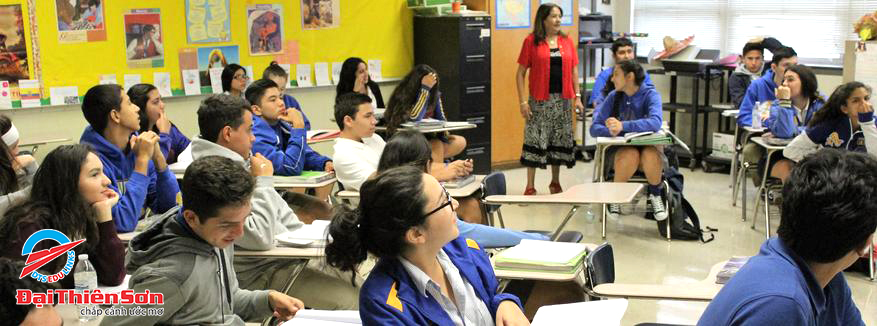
x=684 y=223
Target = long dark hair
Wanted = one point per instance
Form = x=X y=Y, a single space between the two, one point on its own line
x=838 y=99
x=626 y=66
x=809 y=85
x=389 y=205
x=274 y=70
x=228 y=75
x=55 y=201
x=347 y=77
x=8 y=178
x=139 y=95
x=405 y=96
x=539 y=23
x=406 y=147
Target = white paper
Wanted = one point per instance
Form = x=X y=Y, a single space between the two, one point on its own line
x=314 y=231
x=216 y=80
x=602 y=312
x=191 y=82
x=303 y=75
x=115 y=289
x=5 y=95
x=131 y=80
x=374 y=70
x=64 y=95
x=288 y=68
x=336 y=72
x=325 y=317
x=162 y=80
x=249 y=71
x=108 y=79
x=485 y=32
x=543 y=251
x=29 y=84
x=321 y=72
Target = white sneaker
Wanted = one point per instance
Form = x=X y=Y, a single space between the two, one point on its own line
x=614 y=211
x=658 y=207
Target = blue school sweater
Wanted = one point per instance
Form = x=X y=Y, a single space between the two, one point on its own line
x=286 y=147
x=156 y=190
x=760 y=90
x=638 y=113
x=776 y=287
x=172 y=144
x=784 y=121
x=291 y=102
x=605 y=77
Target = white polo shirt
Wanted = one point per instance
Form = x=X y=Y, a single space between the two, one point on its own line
x=356 y=161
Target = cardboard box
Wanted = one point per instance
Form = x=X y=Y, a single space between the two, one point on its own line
x=723 y=145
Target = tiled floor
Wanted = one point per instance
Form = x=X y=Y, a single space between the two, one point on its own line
x=642 y=256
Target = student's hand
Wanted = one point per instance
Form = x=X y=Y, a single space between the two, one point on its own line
x=864 y=107
x=460 y=168
x=104 y=208
x=783 y=93
x=509 y=314
x=359 y=85
x=578 y=104
x=614 y=126
x=144 y=145
x=285 y=307
x=429 y=80
x=163 y=124
x=329 y=167
x=23 y=160
x=525 y=111
x=294 y=117
x=261 y=166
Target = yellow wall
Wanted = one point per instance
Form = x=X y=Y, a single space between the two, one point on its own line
x=374 y=29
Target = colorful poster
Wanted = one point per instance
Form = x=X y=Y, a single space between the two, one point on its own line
x=319 y=14
x=80 y=21
x=265 y=29
x=191 y=82
x=512 y=14
x=566 y=8
x=162 y=80
x=13 y=47
x=215 y=57
x=145 y=47
x=208 y=21
x=29 y=90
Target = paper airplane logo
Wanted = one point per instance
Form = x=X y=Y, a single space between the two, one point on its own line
x=35 y=260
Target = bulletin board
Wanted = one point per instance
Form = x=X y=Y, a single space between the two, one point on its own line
x=375 y=29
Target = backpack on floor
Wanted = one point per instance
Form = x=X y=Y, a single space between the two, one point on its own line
x=684 y=222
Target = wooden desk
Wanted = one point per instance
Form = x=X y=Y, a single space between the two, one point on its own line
x=704 y=290
x=577 y=196
x=464 y=191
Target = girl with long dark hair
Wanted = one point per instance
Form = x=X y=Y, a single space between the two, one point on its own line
x=172 y=141
x=16 y=171
x=234 y=79
x=354 y=77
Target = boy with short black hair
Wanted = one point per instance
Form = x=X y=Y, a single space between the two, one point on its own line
x=751 y=67
x=622 y=49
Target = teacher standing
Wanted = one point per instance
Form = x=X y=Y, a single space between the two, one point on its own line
x=553 y=90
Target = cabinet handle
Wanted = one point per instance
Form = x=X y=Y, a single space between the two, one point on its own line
x=479 y=57
x=475 y=151
x=476 y=121
x=475 y=89
x=476 y=25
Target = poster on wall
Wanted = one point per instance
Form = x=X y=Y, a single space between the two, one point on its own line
x=265 y=29
x=208 y=21
x=319 y=14
x=80 y=21
x=13 y=47
x=215 y=57
x=512 y=14
x=145 y=47
x=566 y=7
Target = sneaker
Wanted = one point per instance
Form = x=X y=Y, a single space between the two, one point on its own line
x=658 y=207
x=614 y=211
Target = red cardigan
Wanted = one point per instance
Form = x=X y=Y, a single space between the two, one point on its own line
x=538 y=59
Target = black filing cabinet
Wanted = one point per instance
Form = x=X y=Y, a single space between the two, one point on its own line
x=458 y=47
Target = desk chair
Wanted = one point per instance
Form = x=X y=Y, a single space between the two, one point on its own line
x=871 y=258
x=741 y=170
x=600 y=268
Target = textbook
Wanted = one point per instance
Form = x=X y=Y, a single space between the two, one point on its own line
x=541 y=255
x=731 y=267
x=308 y=235
x=459 y=182
x=424 y=124
x=322 y=134
x=305 y=177
x=648 y=138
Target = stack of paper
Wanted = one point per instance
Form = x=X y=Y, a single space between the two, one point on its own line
x=424 y=124
x=540 y=255
x=648 y=138
x=731 y=267
x=325 y=318
x=308 y=235
x=306 y=177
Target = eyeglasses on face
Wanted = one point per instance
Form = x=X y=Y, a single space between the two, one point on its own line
x=446 y=204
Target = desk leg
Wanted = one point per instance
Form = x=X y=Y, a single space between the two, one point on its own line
x=871 y=261
x=301 y=263
x=762 y=193
x=569 y=215
x=695 y=103
x=673 y=100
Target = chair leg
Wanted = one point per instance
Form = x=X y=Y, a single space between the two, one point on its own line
x=757 y=205
x=743 y=197
x=501 y=221
x=871 y=270
x=766 y=215
x=668 y=208
x=603 y=214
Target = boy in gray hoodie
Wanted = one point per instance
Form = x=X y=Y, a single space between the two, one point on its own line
x=225 y=124
x=187 y=256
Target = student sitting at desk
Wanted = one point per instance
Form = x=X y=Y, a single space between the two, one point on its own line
x=172 y=141
x=632 y=107
x=846 y=121
x=622 y=49
x=18 y=314
x=134 y=163
x=284 y=142
x=354 y=77
x=234 y=80
x=226 y=127
x=764 y=89
x=416 y=98
x=187 y=256
x=275 y=73
x=750 y=67
x=71 y=194
x=797 y=278
x=798 y=99
x=426 y=273
x=16 y=171
x=359 y=160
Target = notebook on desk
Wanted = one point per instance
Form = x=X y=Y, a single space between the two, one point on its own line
x=424 y=124
x=306 y=177
x=459 y=182
x=540 y=255
x=307 y=236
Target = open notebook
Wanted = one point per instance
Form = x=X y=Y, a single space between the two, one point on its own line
x=308 y=235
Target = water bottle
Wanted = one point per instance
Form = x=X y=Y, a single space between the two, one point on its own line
x=85 y=278
x=756 y=116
